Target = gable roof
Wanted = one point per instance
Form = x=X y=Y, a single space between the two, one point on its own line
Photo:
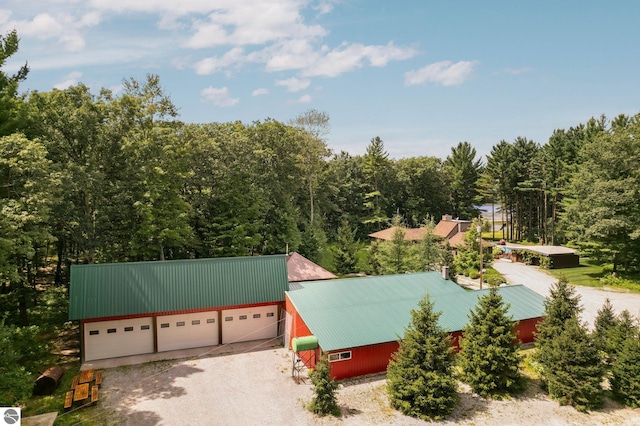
x=444 y=228
x=354 y=312
x=410 y=234
x=117 y=289
x=299 y=268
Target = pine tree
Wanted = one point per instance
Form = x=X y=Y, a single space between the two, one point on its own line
x=574 y=371
x=604 y=322
x=346 y=249
x=420 y=382
x=571 y=365
x=324 y=388
x=625 y=373
x=489 y=356
x=562 y=304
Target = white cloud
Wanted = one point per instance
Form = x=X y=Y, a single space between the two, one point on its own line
x=219 y=96
x=252 y=23
x=348 y=57
x=259 y=92
x=304 y=99
x=444 y=73
x=210 y=65
x=63 y=27
x=70 y=79
x=294 y=84
x=326 y=6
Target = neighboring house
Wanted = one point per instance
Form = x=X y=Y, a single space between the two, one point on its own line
x=448 y=229
x=299 y=268
x=358 y=321
x=145 y=307
x=410 y=234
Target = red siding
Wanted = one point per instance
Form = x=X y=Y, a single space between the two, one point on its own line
x=527 y=328
x=364 y=360
x=298 y=327
x=187 y=311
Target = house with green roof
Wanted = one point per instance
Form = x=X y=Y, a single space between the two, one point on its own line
x=359 y=321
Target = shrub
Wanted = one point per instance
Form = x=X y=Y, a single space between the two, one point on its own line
x=625 y=374
x=324 y=388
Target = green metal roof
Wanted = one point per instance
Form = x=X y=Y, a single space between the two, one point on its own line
x=365 y=311
x=104 y=290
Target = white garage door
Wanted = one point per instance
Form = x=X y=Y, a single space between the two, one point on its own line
x=187 y=331
x=110 y=339
x=241 y=325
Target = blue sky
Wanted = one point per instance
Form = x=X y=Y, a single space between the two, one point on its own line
x=422 y=75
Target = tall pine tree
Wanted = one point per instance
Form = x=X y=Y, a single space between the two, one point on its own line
x=489 y=356
x=570 y=361
x=420 y=380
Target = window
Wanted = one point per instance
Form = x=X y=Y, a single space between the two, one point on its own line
x=195 y=322
x=243 y=317
x=270 y=314
x=228 y=318
x=111 y=330
x=339 y=356
x=211 y=320
x=93 y=332
x=164 y=325
x=180 y=324
x=256 y=316
x=144 y=327
x=128 y=329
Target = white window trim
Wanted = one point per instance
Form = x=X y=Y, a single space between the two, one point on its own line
x=339 y=356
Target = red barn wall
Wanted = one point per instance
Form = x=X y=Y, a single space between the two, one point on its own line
x=527 y=328
x=364 y=360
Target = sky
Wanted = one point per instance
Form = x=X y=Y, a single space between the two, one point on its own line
x=422 y=75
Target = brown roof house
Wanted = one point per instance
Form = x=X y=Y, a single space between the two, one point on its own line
x=299 y=269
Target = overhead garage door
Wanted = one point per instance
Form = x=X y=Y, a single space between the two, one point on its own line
x=110 y=339
x=241 y=325
x=187 y=331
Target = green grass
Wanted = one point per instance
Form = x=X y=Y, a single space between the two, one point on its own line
x=587 y=274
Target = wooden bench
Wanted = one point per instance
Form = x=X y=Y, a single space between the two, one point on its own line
x=68 y=400
x=94 y=394
x=76 y=380
x=99 y=378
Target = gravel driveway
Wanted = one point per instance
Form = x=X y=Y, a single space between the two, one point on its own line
x=591 y=298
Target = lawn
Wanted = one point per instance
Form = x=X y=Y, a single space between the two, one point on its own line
x=587 y=274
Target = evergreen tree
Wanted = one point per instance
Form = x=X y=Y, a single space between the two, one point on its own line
x=324 y=388
x=312 y=243
x=420 y=380
x=562 y=304
x=394 y=254
x=346 y=249
x=604 y=322
x=570 y=361
x=489 y=356
x=625 y=373
x=430 y=252
x=574 y=370
x=625 y=327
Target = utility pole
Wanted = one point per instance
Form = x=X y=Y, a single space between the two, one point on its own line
x=479 y=229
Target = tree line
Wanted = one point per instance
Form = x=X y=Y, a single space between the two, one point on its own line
x=107 y=177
